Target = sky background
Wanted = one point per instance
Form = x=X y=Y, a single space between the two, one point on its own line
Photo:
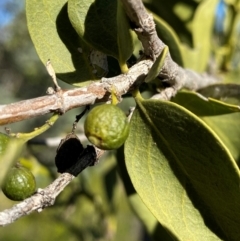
x=8 y=9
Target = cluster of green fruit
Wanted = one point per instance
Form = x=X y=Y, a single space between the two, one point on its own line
x=19 y=183
x=106 y=126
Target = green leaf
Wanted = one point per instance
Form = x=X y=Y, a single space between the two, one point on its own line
x=183 y=172
x=196 y=57
x=4 y=140
x=96 y=23
x=228 y=129
x=124 y=37
x=232 y=76
x=54 y=38
x=202 y=31
x=202 y=106
x=103 y=25
x=229 y=93
x=41 y=173
x=9 y=157
x=157 y=66
x=153 y=227
x=170 y=38
x=190 y=57
x=178 y=14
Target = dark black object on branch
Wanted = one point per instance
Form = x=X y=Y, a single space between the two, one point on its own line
x=72 y=157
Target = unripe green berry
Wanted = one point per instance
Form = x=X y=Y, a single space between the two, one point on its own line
x=106 y=126
x=19 y=184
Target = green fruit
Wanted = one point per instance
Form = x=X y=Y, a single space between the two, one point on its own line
x=19 y=184
x=106 y=126
x=4 y=139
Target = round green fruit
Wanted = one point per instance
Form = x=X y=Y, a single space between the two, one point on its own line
x=106 y=126
x=19 y=184
x=4 y=139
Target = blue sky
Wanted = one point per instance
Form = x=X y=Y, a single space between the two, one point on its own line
x=8 y=9
x=6 y=15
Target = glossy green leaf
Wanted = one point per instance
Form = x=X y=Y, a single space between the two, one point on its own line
x=203 y=106
x=54 y=38
x=202 y=31
x=181 y=169
x=170 y=38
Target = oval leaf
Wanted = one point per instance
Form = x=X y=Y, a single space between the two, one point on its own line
x=168 y=148
x=96 y=23
x=54 y=38
x=103 y=25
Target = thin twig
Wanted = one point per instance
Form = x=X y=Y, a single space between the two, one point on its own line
x=42 y=199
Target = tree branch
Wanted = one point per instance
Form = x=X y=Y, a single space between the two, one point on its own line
x=43 y=198
x=173 y=74
x=46 y=197
x=65 y=100
x=62 y=101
